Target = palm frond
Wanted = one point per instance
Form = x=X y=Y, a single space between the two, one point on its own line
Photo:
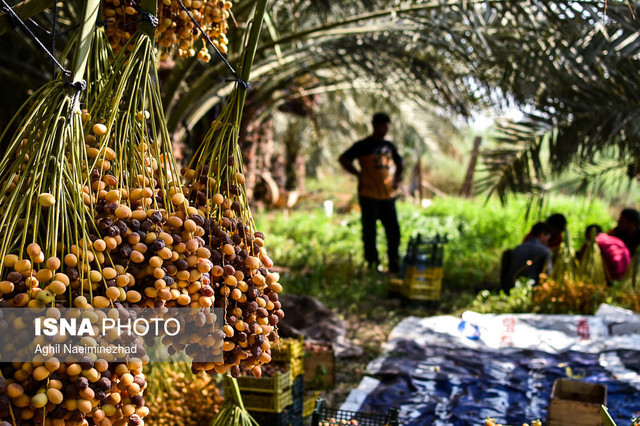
x=514 y=165
x=591 y=100
x=598 y=179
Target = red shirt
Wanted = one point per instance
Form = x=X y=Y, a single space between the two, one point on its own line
x=615 y=255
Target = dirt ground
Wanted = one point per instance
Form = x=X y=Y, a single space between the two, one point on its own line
x=369 y=331
x=369 y=328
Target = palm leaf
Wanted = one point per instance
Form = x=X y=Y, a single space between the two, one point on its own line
x=514 y=166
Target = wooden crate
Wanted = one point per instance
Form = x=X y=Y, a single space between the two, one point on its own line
x=576 y=403
x=319 y=369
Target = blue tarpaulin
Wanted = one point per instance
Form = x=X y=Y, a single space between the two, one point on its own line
x=442 y=371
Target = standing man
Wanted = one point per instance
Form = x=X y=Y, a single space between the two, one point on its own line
x=377 y=186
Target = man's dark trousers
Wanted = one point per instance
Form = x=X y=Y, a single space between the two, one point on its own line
x=385 y=211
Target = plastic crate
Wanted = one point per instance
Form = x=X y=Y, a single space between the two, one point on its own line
x=297 y=404
x=272 y=419
x=287 y=350
x=309 y=404
x=433 y=293
x=273 y=384
x=425 y=252
x=296 y=368
x=297 y=387
x=426 y=285
x=323 y=416
x=296 y=420
x=267 y=402
x=416 y=275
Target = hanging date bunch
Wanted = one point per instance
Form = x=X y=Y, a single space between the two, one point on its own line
x=48 y=261
x=176 y=32
x=144 y=222
x=98 y=65
x=240 y=277
x=63 y=393
x=191 y=243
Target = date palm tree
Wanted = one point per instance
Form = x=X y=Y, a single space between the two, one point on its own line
x=570 y=66
x=579 y=86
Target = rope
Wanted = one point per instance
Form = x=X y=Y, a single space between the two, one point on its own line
x=12 y=21
x=245 y=84
x=80 y=86
x=47 y=32
x=53 y=35
x=15 y=21
x=144 y=15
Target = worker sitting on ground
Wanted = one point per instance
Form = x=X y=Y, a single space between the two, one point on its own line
x=615 y=254
x=532 y=257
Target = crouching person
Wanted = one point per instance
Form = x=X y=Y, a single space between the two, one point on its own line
x=532 y=257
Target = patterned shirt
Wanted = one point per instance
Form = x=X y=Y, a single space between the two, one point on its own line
x=378 y=160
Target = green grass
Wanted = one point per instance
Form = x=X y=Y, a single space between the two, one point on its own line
x=480 y=231
x=323 y=256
